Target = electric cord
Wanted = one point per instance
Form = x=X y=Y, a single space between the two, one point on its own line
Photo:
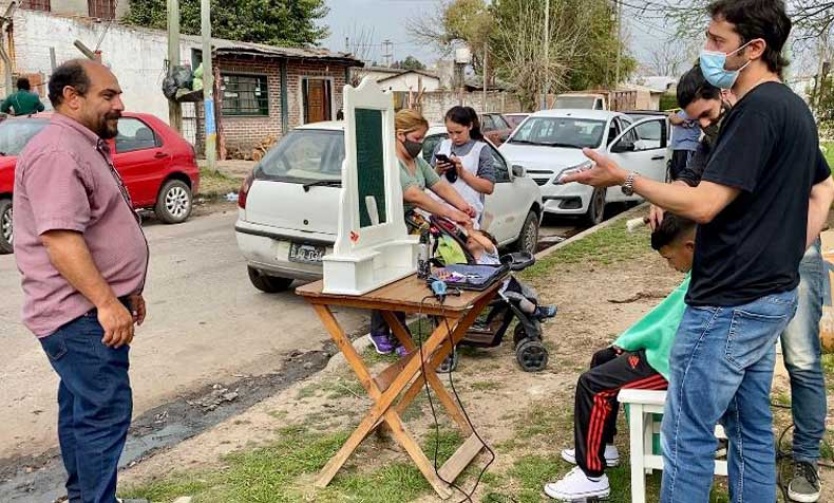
x=783 y=455
x=467 y=497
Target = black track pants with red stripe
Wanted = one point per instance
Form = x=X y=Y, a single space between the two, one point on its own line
x=595 y=413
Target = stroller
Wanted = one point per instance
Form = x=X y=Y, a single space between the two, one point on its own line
x=492 y=325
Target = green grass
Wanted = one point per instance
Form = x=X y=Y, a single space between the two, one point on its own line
x=216 y=184
x=283 y=472
x=611 y=245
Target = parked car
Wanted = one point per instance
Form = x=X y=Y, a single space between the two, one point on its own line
x=289 y=205
x=158 y=166
x=550 y=142
x=515 y=119
x=638 y=115
x=495 y=127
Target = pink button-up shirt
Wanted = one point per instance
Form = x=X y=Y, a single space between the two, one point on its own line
x=65 y=180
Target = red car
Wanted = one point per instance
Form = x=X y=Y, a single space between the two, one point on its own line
x=157 y=165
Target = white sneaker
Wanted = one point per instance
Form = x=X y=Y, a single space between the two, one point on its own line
x=577 y=486
x=612 y=456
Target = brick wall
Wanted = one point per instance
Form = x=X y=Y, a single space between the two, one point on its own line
x=434 y=105
x=244 y=133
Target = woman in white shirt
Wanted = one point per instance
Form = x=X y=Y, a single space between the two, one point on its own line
x=465 y=158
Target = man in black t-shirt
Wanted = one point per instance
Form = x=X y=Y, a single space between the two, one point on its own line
x=755 y=225
x=800 y=340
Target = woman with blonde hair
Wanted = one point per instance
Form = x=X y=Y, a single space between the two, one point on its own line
x=416 y=176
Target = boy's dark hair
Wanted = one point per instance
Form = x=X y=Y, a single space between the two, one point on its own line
x=73 y=74
x=693 y=86
x=765 y=19
x=466 y=116
x=671 y=229
x=23 y=84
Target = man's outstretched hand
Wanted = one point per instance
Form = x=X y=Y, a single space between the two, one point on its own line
x=605 y=172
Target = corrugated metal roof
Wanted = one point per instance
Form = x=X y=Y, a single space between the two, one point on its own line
x=223 y=46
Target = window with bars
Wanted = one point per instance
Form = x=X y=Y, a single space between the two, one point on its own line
x=102 y=9
x=43 y=5
x=245 y=94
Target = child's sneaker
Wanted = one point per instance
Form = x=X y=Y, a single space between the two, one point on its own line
x=545 y=312
x=401 y=351
x=577 y=486
x=612 y=456
x=382 y=344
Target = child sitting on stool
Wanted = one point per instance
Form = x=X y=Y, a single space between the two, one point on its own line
x=639 y=359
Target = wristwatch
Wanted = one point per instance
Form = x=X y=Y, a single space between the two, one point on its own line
x=628 y=186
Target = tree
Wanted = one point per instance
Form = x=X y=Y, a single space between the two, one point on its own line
x=274 y=22
x=671 y=59
x=582 y=48
x=409 y=63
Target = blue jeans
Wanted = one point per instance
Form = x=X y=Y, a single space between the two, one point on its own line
x=801 y=350
x=721 y=369
x=94 y=407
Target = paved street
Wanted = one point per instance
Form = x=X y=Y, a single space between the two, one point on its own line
x=206 y=323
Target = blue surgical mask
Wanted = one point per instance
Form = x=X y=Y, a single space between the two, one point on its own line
x=712 y=66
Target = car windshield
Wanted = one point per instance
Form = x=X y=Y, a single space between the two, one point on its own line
x=305 y=156
x=638 y=116
x=567 y=132
x=15 y=134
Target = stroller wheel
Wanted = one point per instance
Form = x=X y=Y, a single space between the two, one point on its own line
x=520 y=334
x=531 y=356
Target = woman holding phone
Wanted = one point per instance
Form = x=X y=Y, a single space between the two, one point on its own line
x=465 y=158
x=415 y=177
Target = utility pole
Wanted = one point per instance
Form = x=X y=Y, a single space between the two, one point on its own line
x=389 y=52
x=208 y=86
x=618 y=5
x=4 y=55
x=174 y=107
x=546 y=86
x=486 y=73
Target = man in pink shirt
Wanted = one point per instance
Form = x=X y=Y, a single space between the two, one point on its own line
x=83 y=258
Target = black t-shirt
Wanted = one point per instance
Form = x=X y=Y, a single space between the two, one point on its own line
x=768 y=148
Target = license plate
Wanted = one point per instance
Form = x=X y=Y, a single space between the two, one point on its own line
x=307 y=254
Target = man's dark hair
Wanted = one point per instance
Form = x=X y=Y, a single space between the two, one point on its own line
x=765 y=19
x=671 y=229
x=73 y=74
x=693 y=86
x=23 y=84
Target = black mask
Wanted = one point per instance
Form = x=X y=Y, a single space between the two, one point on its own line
x=711 y=131
x=413 y=148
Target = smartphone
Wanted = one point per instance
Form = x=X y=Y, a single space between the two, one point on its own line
x=451 y=174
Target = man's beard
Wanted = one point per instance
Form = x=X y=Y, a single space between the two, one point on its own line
x=105 y=131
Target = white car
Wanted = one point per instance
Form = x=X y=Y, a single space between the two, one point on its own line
x=289 y=205
x=550 y=142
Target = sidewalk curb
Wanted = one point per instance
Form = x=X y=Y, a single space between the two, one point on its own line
x=582 y=235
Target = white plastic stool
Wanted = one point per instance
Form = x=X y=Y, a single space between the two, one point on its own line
x=643 y=404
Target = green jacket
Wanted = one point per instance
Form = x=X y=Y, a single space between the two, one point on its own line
x=23 y=103
x=656 y=331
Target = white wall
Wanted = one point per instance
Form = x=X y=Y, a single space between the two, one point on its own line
x=409 y=81
x=136 y=56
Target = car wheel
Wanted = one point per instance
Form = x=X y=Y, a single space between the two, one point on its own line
x=174 y=204
x=6 y=229
x=529 y=237
x=596 y=209
x=268 y=284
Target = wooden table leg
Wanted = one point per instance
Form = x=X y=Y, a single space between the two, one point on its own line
x=383 y=400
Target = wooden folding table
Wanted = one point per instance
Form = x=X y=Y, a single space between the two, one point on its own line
x=406 y=378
